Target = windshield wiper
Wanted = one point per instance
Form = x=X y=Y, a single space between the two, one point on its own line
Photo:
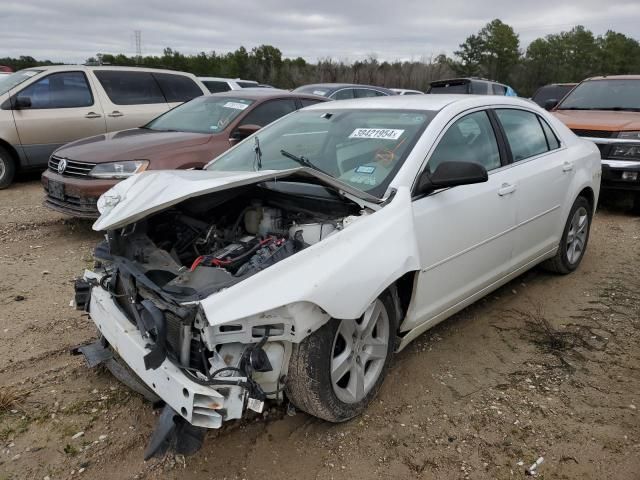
x=304 y=161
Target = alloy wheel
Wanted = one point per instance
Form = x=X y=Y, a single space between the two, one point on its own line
x=577 y=235
x=359 y=351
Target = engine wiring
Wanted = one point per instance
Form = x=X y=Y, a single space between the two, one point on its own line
x=245 y=370
x=217 y=262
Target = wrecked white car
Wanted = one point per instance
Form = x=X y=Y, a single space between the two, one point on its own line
x=297 y=262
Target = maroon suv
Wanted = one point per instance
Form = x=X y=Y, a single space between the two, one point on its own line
x=188 y=136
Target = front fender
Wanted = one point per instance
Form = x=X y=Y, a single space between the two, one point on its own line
x=342 y=274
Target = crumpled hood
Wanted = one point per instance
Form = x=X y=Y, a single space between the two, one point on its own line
x=152 y=191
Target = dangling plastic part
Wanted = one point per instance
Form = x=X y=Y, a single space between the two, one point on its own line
x=172 y=431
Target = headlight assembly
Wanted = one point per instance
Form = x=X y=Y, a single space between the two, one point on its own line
x=626 y=151
x=119 y=169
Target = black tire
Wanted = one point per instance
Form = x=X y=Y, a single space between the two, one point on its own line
x=561 y=263
x=636 y=204
x=309 y=385
x=7 y=168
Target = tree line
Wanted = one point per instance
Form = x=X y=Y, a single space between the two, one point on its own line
x=494 y=52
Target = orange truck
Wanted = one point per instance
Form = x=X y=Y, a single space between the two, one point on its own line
x=606 y=110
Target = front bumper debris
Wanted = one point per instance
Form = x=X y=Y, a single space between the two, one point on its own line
x=99 y=353
x=172 y=432
x=199 y=405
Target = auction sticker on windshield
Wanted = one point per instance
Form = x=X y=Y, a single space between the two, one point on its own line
x=235 y=105
x=377 y=133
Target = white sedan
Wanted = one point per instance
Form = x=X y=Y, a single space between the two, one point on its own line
x=300 y=260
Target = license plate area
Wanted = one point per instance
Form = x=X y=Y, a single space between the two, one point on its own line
x=56 y=190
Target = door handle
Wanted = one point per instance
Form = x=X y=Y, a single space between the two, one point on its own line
x=116 y=113
x=92 y=115
x=567 y=166
x=506 y=189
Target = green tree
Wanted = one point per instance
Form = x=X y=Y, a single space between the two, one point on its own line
x=493 y=52
x=618 y=54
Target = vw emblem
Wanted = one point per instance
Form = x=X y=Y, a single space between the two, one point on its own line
x=62 y=166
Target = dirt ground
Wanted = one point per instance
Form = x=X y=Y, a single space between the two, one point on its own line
x=547 y=366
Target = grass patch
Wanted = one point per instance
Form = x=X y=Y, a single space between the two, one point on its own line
x=10 y=398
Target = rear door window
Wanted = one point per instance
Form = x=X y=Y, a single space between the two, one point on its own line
x=552 y=140
x=524 y=133
x=344 y=94
x=367 y=92
x=130 y=88
x=216 y=86
x=498 y=89
x=59 y=90
x=479 y=88
x=177 y=88
x=270 y=111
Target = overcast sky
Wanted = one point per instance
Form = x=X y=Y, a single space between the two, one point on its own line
x=73 y=30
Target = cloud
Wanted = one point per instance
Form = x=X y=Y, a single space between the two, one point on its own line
x=73 y=30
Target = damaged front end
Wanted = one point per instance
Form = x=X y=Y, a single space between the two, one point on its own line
x=146 y=298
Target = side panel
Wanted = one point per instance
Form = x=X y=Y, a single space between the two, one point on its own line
x=543 y=188
x=122 y=117
x=465 y=236
x=41 y=131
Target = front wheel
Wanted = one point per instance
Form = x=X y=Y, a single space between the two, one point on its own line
x=336 y=371
x=7 y=168
x=574 y=239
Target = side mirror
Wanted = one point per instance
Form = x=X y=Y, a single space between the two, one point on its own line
x=451 y=174
x=551 y=104
x=242 y=132
x=22 y=102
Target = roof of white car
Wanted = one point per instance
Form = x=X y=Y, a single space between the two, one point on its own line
x=66 y=68
x=422 y=102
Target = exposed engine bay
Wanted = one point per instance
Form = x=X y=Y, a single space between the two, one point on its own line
x=210 y=243
x=158 y=269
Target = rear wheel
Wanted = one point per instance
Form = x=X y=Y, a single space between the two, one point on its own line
x=336 y=371
x=574 y=239
x=7 y=168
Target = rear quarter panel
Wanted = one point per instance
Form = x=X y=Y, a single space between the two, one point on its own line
x=586 y=157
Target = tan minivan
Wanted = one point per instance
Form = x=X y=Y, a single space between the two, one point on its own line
x=42 y=108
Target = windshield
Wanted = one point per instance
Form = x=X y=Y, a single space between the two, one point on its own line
x=209 y=114
x=7 y=82
x=604 y=95
x=362 y=148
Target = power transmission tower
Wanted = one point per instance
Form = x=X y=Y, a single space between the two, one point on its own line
x=138 y=35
